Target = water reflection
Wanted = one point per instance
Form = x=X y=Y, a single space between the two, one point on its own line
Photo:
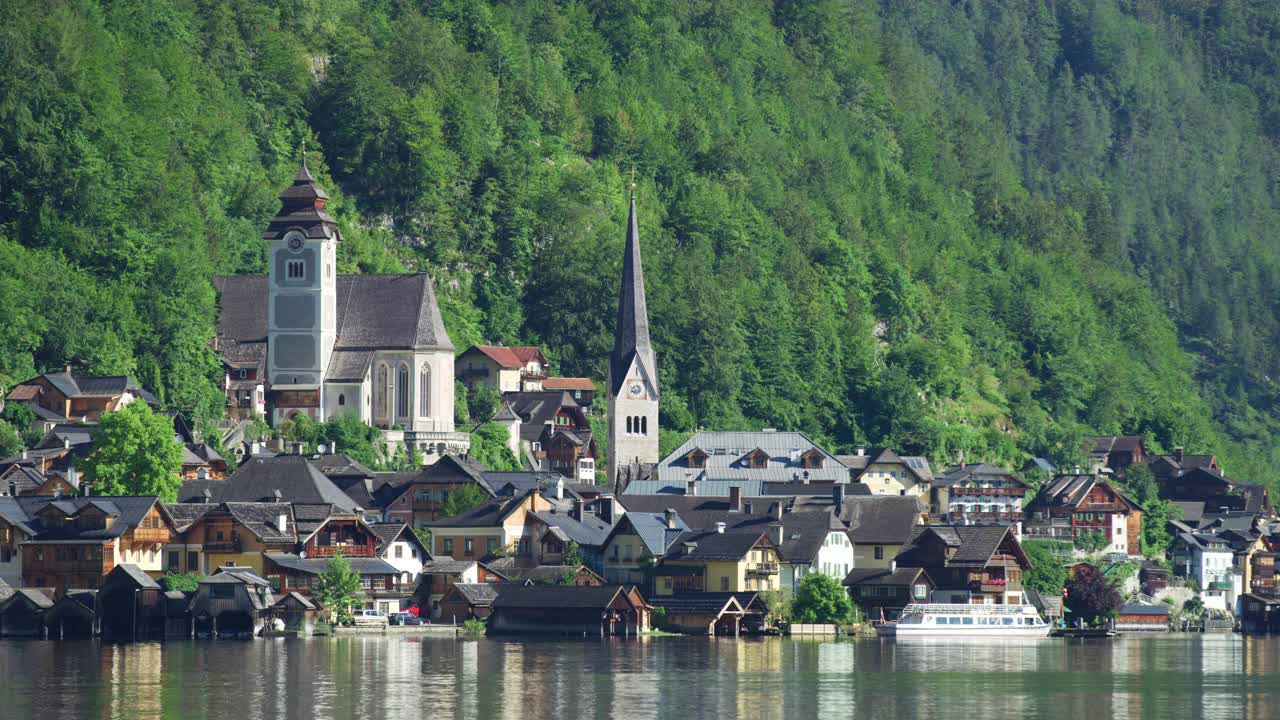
x=1178 y=676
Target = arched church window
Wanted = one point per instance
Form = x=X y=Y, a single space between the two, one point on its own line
x=644 y=425
x=342 y=399
x=402 y=391
x=384 y=385
x=424 y=391
x=628 y=424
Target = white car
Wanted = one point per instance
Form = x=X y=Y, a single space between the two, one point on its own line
x=369 y=618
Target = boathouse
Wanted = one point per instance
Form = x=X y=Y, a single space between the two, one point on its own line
x=233 y=602
x=22 y=615
x=1143 y=618
x=702 y=613
x=74 y=615
x=567 y=610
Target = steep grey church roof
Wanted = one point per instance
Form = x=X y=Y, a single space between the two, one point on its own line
x=375 y=312
x=631 y=333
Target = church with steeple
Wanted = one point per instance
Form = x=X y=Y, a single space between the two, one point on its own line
x=304 y=340
x=633 y=372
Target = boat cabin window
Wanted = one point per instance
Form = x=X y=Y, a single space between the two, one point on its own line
x=1008 y=621
x=968 y=621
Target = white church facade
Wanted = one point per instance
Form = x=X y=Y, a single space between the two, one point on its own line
x=320 y=344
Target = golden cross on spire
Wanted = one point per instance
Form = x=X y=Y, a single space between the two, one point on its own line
x=633 y=178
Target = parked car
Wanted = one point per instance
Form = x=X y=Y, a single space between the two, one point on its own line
x=404 y=618
x=368 y=618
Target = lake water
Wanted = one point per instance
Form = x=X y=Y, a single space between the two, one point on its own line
x=1162 y=678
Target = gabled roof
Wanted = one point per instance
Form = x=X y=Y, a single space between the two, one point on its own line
x=375 y=312
x=804 y=533
x=976 y=472
x=509 y=357
x=30 y=596
x=897 y=577
x=547 y=574
x=652 y=530
x=725 y=460
x=710 y=546
x=698 y=603
x=315 y=566
x=1105 y=444
x=881 y=519
x=477 y=594
x=74 y=386
x=974 y=545
x=490 y=514
x=292 y=596
x=1069 y=491
x=341 y=465
x=446 y=565
x=237 y=574
x=590 y=531
x=916 y=465
x=27 y=513
x=258 y=479
x=568 y=384
x=557 y=596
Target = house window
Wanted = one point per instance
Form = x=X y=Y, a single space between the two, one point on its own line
x=384 y=382
x=296 y=270
x=402 y=391
x=666 y=582
x=724 y=584
x=399 y=551
x=644 y=425
x=448 y=546
x=174 y=558
x=242 y=374
x=920 y=591
x=468 y=547
x=193 y=561
x=424 y=392
x=879 y=552
x=628 y=424
x=342 y=399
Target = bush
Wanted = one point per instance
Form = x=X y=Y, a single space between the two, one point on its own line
x=182 y=582
x=659 y=619
x=820 y=599
x=473 y=626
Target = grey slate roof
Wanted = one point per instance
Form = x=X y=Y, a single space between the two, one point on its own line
x=315 y=566
x=631 y=329
x=31 y=596
x=880 y=519
x=726 y=460
x=137 y=576
x=127 y=512
x=262 y=519
x=542 y=574
x=713 y=546
x=5 y=590
x=522 y=481
x=340 y=465
x=590 y=531
x=446 y=565
x=652 y=530
x=1160 y=609
x=916 y=465
x=375 y=312
x=697 y=603
x=294 y=476
x=803 y=534
x=899 y=577
x=976 y=472
x=975 y=544
x=96 y=385
x=349 y=366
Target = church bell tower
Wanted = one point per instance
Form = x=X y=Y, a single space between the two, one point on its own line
x=302 y=297
x=633 y=367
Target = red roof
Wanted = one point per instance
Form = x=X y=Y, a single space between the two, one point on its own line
x=511 y=357
x=568 y=384
x=24 y=392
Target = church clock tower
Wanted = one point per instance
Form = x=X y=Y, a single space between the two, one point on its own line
x=633 y=369
x=302 y=295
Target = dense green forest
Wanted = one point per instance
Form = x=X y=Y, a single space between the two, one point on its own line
x=978 y=226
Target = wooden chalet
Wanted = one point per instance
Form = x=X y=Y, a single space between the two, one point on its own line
x=1070 y=508
x=592 y=611
x=379 y=580
x=980 y=564
x=66 y=396
x=886 y=591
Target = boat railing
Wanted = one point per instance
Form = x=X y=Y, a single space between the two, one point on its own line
x=964 y=609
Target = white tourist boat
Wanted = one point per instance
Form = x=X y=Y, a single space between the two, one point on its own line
x=943 y=620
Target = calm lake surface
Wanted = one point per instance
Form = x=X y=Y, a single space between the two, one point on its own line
x=1180 y=676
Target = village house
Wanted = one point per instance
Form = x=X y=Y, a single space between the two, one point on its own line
x=1168 y=467
x=1210 y=561
x=636 y=542
x=879 y=527
x=885 y=591
x=813 y=542
x=441 y=573
x=420 y=499
x=551 y=431
x=208 y=536
x=972 y=564
x=720 y=561
x=710 y=463
x=1075 y=508
x=887 y=473
x=380 y=584
x=371 y=346
x=62 y=397
x=402 y=549
x=505 y=369
x=585 y=525
x=74 y=542
x=978 y=493
x=283 y=478
x=499 y=526
x=1115 y=452
x=582 y=390
x=1216 y=490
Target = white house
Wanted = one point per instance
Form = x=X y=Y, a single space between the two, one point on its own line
x=813 y=542
x=402 y=549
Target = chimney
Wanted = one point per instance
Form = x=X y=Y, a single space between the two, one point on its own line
x=805 y=478
x=692 y=489
x=862 y=451
x=276 y=496
x=776 y=509
x=670 y=515
x=689 y=547
x=24 y=453
x=1177 y=453
x=68 y=367
x=66 y=443
x=837 y=496
x=735 y=499
x=893 y=565
x=720 y=528
x=576 y=511
x=604 y=509
x=775 y=535
x=560 y=491
x=206 y=496
x=73 y=477
x=13 y=488
x=282 y=523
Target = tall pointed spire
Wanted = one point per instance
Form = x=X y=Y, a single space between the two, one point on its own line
x=631 y=334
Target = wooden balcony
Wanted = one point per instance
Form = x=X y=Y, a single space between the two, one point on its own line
x=344 y=550
x=764 y=568
x=151 y=535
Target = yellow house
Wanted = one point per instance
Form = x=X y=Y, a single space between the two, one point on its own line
x=496 y=527
x=719 y=561
x=887 y=473
x=213 y=535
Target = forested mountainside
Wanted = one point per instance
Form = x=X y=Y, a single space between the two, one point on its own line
x=983 y=226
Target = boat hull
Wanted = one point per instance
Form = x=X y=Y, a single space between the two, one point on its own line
x=907 y=631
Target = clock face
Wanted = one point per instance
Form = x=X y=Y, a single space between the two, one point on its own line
x=295 y=241
x=636 y=388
